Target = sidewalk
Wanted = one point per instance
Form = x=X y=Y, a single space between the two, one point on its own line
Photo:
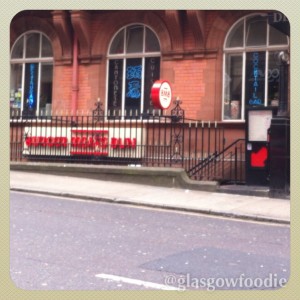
x=207 y=202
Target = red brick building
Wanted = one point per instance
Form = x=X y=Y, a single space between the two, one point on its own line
x=219 y=63
x=195 y=50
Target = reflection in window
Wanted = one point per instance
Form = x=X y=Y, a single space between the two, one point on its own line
x=18 y=48
x=273 y=79
x=235 y=38
x=117 y=45
x=233 y=87
x=16 y=88
x=251 y=69
x=276 y=37
x=32 y=45
x=134 y=39
x=152 y=44
x=256 y=31
x=46 y=89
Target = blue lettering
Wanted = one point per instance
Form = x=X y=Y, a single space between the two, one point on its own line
x=31 y=95
x=134 y=89
x=256 y=101
x=255 y=86
x=134 y=72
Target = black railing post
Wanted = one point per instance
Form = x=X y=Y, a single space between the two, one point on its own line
x=177 y=133
x=198 y=147
x=235 y=164
x=98 y=112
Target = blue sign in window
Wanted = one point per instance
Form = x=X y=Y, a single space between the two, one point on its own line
x=255 y=78
x=31 y=79
x=133 y=90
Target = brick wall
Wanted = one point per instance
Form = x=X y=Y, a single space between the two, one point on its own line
x=189 y=85
x=62 y=89
x=196 y=79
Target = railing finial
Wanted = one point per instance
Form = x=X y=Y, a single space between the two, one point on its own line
x=177 y=113
x=98 y=112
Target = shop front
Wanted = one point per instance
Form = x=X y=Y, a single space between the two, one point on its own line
x=219 y=63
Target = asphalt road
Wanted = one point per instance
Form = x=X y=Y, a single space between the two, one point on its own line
x=68 y=244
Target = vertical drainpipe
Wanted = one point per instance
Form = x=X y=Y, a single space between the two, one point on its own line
x=75 y=87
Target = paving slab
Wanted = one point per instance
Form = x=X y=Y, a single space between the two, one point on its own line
x=214 y=203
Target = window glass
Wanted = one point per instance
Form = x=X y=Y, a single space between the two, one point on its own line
x=132 y=74
x=251 y=74
x=46 y=89
x=152 y=44
x=18 y=49
x=134 y=39
x=273 y=79
x=233 y=86
x=133 y=91
x=117 y=45
x=115 y=86
x=31 y=76
x=32 y=45
x=46 y=47
x=277 y=37
x=30 y=88
x=236 y=36
x=16 y=89
x=256 y=31
x=255 y=78
x=152 y=68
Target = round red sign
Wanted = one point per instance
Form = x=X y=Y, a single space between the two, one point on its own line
x=161 y=94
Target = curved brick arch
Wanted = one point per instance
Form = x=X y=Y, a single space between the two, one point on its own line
x=24 y=24
x=220 y=27
x=112 y=25
x=217 y=33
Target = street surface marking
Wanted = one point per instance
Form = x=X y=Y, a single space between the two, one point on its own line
x=146 y=284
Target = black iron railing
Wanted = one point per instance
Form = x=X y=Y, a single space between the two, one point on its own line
x=147 y=140
x=226 y=166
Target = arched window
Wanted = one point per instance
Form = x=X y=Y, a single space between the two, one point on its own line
x=133 y=66
x=31 y=75
x=251 y=66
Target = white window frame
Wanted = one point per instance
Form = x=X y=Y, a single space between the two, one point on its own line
x=124 y=56
x=243 y=51
x=23 y=61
